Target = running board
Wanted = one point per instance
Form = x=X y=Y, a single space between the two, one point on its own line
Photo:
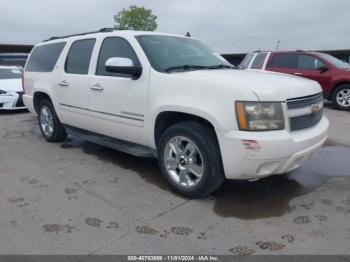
x=113 y=143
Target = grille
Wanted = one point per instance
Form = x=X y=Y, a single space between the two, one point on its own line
x=20 y=100
x=298 y=103
x=305 y=121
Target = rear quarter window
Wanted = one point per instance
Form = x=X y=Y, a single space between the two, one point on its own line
x=246 y=61
x=44 y=58
x=259 y=61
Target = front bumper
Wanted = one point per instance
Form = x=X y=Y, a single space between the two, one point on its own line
x=254 y=155
x=11 y=101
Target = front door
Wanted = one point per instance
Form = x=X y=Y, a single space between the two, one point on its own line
x=309 y=67
x=117 y=102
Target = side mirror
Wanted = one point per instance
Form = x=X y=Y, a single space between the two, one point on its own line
x=323 y=68
x=123 y=65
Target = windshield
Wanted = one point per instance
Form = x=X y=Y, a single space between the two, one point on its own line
x=167 y=53
x=10 y=73
x=335 y=61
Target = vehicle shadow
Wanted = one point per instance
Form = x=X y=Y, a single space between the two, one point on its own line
x=14 y=112
x=268 y=197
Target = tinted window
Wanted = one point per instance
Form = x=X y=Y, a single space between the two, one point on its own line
x=284 y=61
x=259 y=61
x=246 y=61
x=10 y=73
x=309 y=62
x=43 y=58
x=78 y=60
x=114 y=47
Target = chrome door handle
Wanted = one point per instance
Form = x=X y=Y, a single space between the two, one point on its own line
x=298 y=74
x=97 y=87
x=63 y=83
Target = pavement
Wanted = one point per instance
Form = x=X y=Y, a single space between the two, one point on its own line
x=79 y=198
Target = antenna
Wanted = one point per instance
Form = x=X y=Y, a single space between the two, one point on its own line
x=278 y=45
x=188 y=34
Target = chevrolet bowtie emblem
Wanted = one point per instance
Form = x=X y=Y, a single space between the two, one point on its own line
x=315 y=109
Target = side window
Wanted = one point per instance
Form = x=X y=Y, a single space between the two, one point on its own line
x=114 y=47
x=246 y=61
x=308 y=62
x=284 y=61
x=79 y=56
x=44 y=58
x=259 y=61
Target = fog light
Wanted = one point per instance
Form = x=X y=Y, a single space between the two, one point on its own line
x=267 y=168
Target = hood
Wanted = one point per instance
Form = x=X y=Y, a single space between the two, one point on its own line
x=267 y=86
x=11 y=85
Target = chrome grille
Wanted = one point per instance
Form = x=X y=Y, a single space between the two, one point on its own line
x=301 y=114
x=304 y=101
x=305 y=121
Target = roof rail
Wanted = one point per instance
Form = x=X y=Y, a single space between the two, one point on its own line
x=299 y=50
x=102 y=30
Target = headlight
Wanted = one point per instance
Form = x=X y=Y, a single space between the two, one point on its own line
x=259 y=116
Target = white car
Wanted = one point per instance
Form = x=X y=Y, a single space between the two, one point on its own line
x=11 y=90
x=170 y=97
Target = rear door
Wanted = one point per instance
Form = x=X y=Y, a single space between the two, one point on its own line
x=309 y=67
x=284 y=63
x=73 y=85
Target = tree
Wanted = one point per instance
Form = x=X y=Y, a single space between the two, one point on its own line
x=136 y=18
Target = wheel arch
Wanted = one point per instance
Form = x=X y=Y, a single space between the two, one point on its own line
x=336 y=85
x=39 y=96
x=165 y=119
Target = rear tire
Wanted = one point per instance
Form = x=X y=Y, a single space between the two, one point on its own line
x=50 y=126
x=190 y=159
x=341 y=97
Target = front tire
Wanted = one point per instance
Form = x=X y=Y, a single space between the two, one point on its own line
x=341 y=97
x=190 y=159
x=50 y=126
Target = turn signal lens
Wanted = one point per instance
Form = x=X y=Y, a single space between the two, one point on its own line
x=241 y=116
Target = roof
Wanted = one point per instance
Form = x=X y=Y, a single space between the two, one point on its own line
x=109 y=32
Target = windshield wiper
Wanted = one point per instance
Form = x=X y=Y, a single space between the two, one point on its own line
x=221 y=66
x=184 y=67
x=199 y=67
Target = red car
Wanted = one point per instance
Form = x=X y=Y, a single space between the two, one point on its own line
x=331 y=73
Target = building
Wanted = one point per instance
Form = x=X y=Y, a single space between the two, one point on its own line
x=14 y=54
x=17 y=54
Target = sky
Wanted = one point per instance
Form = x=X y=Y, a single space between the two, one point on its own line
x=227 y=26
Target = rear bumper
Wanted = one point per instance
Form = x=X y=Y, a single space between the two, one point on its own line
x=254 y=155
x=28 y=102
x=11 y=101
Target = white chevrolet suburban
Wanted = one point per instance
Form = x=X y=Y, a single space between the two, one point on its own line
x=170 y=97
